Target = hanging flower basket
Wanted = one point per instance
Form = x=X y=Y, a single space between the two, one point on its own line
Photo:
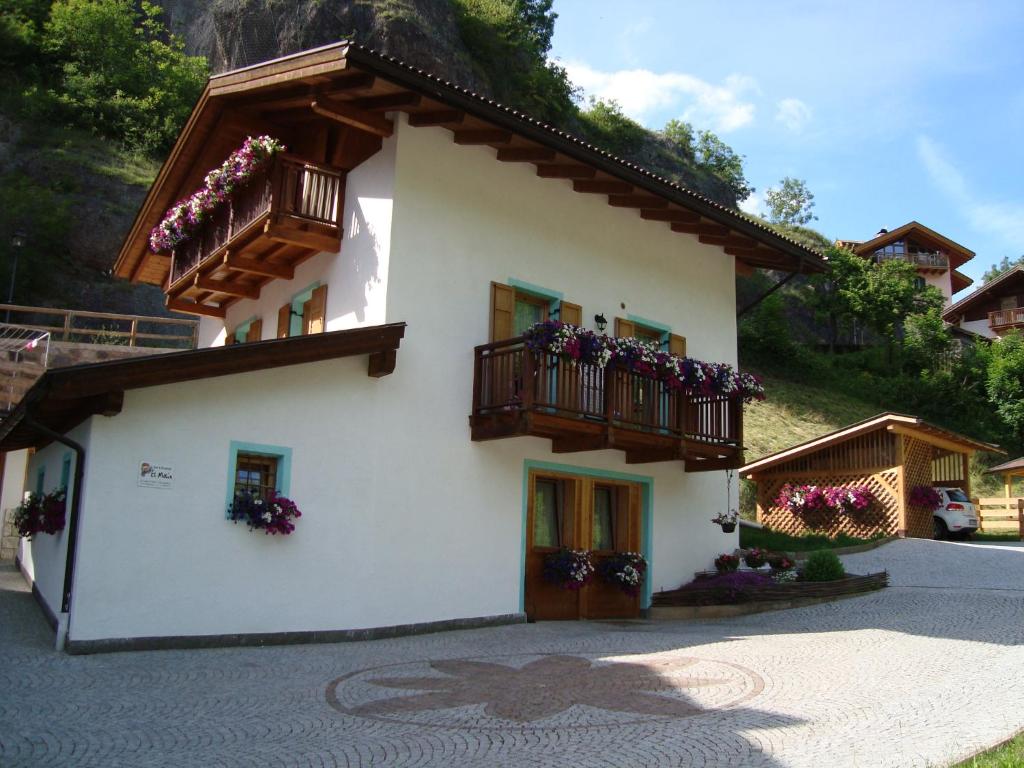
x=695 y=377
x=569 y=568
x=727 y=520
x=272 y=515
x=925 y=496
x=184 y=218
x=624 y=570
x=41 y=513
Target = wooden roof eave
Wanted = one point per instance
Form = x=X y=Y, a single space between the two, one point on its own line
x=927 y=233
x=954 y=311
x=62 y=398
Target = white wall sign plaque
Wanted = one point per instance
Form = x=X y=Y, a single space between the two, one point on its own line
x=155 y=475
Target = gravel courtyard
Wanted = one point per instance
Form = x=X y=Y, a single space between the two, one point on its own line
x=921 y=674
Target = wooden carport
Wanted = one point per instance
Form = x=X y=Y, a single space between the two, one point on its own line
x=890 y=453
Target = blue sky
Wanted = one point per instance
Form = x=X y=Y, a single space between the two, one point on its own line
x=890 y=111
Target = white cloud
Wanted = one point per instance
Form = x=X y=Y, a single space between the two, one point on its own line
x=641 y=92
x=793 y=113
x=754 y=204
x=1003 y=217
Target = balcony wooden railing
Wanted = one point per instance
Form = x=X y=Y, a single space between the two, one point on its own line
x=1004 y=318
x=583 y=407
x=933 y=260
x=291 y=204
x=81 y=327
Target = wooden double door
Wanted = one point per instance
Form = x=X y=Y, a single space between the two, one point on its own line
x=579 y=512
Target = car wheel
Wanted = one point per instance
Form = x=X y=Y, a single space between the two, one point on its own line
x=941 y=530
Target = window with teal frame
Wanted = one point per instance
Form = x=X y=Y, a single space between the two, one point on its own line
x=663 y=331
x=257 y=468
x=242 y=331
x=65 y=471
x=300 y=298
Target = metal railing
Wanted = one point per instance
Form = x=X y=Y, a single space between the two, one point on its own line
x=83 y=327
x=510 y=377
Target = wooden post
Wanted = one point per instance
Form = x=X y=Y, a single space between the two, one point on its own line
x=529 y=382
x=135 y=329
x=67 y=326
x=1008 y=484
x=1020 y=518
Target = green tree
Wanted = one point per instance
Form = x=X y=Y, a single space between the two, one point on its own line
x=1005 y=381
x=791 y=204
x=891 y=294
x=927 y=340
x=606 y=125
x=836 y=294
x=119 y=73
x=680 y=134
x=719 y=158
x=1003 y=266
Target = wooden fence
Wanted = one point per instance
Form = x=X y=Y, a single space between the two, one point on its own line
x=1001 y=515
x=103 y=327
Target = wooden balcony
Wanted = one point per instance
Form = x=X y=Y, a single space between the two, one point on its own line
x=282 y=217
x=1006 y=319
x=938 y=262
x=586 y=408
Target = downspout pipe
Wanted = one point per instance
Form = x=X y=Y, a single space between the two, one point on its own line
x=72 y=517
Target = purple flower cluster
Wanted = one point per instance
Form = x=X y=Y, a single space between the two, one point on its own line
x=625 y=570
x=729 y=586
x=40 y=513
x=272 y=515
x=694 y=377
x=825 y=500
x=184 y=217
x=569 y=568
x=925 y=496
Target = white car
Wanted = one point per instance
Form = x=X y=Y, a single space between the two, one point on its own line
x=956 y=515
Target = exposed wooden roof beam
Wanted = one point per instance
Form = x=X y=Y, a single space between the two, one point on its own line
x=341 y=112
x=735 y=241
x=227 y=288
x=387 y=101
x=636 y=201
x=700 y=228
x=300 y=96
x=525 y=154
x=673 y=214
x=483 y=136
x=566 y=172
x=603 y=187
x=193 y=308
x=245 y=264
x=436 y=117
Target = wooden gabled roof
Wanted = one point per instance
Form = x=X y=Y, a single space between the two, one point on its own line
x=892 y=422
x=351 y=84
x=62 y=398
x=1015 y=467
x=1011 y=281
x=958 y=255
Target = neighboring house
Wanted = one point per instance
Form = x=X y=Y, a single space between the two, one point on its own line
x=890 y=454
x=994 y=309
x=936 y=257
x=405 y=213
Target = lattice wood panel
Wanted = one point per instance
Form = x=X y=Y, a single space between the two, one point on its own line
x=884 y=519
x=917 y=470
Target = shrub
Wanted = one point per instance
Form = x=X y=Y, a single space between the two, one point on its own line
x=823 y=565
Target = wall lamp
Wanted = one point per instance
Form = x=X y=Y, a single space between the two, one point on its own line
x=602 y=323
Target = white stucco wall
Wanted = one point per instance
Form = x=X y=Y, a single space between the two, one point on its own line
x=43 y=559
x=942 y=281
x=980 y=327
x=405 y=519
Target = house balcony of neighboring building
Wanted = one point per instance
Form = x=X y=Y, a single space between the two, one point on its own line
x=995 y=309
x=288 y=212
x=582 y=407
x=1003 y=320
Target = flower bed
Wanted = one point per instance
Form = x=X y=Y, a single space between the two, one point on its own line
x=694 y=377
x=184 y=218
x=751 y=587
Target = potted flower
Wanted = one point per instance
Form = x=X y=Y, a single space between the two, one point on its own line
x=725 y=563
x=272 y=515
x=727 y=520
x=755 y=558
x=625 y=570
x=40 y=513
x=569 y=568
x=779 y=562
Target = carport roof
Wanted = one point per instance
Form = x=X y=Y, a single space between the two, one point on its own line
x=893 y=422
x=1010 y=467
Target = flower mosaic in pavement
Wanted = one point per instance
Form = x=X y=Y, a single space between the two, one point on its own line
x=543 y=691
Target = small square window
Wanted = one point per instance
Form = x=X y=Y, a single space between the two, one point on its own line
x=258 y=469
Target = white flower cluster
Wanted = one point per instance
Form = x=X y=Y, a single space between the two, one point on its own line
x=581 y=566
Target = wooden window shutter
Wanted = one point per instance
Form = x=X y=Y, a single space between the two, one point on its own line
x=284 y=321
x=314 y=312
x=677 y=345
x=570 y=313
x=503 y=309
x=255 y=332
x=624 y=329
x=230 y=338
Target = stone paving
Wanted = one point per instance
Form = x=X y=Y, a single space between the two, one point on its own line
x=921 y=674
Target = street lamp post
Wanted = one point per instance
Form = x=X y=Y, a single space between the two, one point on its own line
x=18 y=240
